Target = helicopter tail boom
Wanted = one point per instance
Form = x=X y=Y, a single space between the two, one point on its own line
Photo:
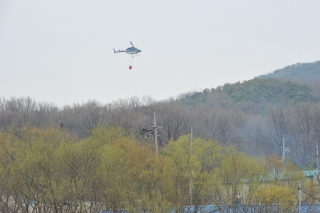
x=119 y=51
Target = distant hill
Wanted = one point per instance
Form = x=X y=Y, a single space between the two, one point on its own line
x=300 y=72
x=285 y=87
x=257 y=93
x=271 y=91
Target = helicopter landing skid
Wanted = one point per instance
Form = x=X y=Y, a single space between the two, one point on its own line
x=134 y=56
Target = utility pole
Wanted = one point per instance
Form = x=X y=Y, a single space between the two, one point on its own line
x=155 y=128
x=317 y=150
x=191 y=176
x=300 y=197
x=284 y=149
x=191 y=135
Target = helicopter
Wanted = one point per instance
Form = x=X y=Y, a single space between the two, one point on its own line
x=130 y=50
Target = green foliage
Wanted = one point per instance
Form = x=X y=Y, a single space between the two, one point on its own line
x=282 y=196
x=259 y=92
x=240 y=175
x=105 y=134
x=111 y=170
x=301 y=72
x=268 y=91
x=285 y=87
x=193 y=99
x=195 y=163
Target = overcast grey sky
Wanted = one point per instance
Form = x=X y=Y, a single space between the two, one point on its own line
x=62 y=51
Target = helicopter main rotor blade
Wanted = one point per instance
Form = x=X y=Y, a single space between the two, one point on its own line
x=131 y=43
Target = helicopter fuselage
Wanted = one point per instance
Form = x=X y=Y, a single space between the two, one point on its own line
x=130 y=50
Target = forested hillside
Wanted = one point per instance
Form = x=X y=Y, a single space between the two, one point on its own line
x=286 y=87
x=255 y=134
x=254 y=116
x=301 y=72
x=254 y=96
